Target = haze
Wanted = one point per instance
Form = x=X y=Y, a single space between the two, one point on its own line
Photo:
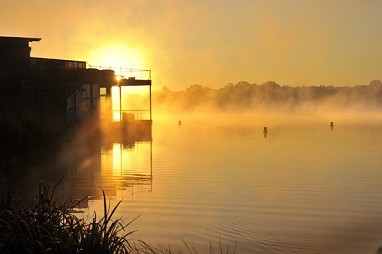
x=210 y=43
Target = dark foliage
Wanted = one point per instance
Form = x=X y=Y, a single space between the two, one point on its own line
x=244 y=96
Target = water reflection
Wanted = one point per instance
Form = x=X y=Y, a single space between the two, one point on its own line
x=304 y=189
x=110 y=166
x=126 y=167
x=83 y=171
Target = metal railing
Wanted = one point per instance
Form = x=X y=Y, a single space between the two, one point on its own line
x=140 y=114
x=126 y=72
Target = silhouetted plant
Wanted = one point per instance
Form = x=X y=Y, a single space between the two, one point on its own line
x=50 y=227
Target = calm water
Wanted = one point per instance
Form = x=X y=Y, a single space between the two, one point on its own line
x=303 y=188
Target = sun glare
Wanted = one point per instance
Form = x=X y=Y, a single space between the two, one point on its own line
x=116 y=56
x=115 y=103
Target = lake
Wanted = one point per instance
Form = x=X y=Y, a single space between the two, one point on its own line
x=302 y=188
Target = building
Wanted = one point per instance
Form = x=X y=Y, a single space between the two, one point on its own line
x=66 y=87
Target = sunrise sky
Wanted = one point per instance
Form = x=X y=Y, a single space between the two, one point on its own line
x=210 y=42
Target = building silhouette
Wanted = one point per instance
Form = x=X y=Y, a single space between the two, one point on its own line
x=66 y=87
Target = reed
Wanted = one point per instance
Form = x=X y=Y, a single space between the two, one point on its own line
x=51 y=227
x=48 y=226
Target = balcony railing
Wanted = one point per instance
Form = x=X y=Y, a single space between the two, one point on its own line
x=126 y=72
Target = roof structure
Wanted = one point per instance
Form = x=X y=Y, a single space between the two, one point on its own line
x=19 y=38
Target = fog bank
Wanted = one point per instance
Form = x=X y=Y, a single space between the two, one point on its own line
x=271 y=97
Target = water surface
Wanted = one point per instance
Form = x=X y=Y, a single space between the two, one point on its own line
x=303 y=188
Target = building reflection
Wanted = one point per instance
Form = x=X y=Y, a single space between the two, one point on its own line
x=126 y=167
x=114 y=166
x=93 y=99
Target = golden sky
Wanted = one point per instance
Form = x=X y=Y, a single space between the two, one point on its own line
x=210 y=42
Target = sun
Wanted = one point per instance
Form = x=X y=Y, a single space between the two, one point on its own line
x=126 y=62
x=116 y=56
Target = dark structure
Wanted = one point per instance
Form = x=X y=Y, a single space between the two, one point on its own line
x=66 y=87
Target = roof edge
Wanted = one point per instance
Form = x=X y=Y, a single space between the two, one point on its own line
x=29 y=39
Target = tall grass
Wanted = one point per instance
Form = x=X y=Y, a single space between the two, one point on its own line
x=50 y=227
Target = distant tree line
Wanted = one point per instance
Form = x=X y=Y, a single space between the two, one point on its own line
x=244 y=96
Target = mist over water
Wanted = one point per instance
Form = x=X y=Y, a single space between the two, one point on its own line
x=304 y=188
x=272 y=97
x=211 y=172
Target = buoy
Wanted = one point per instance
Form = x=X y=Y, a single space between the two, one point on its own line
x=180 y=122
x=265 y=132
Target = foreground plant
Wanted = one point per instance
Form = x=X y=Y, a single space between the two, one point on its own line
x=50 y=227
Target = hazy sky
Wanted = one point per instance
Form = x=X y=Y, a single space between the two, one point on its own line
x=210 y=42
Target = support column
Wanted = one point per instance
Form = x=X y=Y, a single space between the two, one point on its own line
x=150 y=105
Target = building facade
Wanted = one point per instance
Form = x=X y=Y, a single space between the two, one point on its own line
x=67 y=87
